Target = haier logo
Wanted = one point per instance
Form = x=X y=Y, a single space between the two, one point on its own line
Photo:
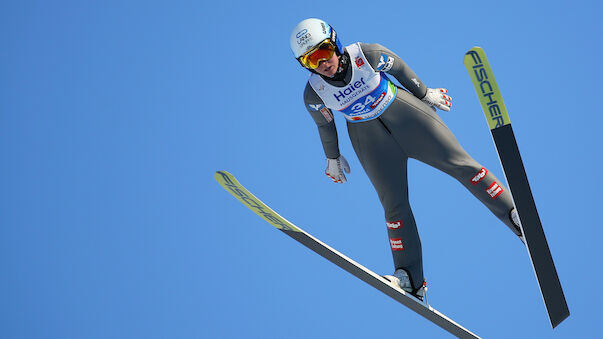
x=349 y=90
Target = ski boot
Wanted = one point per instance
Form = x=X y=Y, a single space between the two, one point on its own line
x=515 y=219
x=401 y=280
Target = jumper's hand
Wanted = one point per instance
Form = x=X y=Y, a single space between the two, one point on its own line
x=436 y=97
x=335 y=169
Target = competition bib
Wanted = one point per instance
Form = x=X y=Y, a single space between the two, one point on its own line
x=367 y=95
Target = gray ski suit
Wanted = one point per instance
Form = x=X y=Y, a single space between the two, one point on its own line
x=406 y=128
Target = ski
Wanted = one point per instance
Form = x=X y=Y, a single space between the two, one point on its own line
x=230 y=184
x=504 y=140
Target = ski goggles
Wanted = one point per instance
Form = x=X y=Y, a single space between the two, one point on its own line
x=312 y=58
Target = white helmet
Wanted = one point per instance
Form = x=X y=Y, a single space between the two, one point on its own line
x=311 y=32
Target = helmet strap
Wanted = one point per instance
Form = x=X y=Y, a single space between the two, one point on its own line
x=344 y=63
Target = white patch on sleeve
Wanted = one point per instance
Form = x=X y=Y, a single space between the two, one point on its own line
x=316 y=107
x=385 y=63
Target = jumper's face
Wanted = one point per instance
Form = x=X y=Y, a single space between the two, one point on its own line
x=328 y=67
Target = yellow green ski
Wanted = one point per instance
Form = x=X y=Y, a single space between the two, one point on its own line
x=235 y=188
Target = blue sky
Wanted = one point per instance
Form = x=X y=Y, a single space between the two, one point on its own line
x=114 y=116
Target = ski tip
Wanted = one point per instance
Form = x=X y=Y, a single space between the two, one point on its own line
x=222 y=176
x=475 y=49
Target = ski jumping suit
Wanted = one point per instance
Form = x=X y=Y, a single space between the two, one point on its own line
x=387 y=125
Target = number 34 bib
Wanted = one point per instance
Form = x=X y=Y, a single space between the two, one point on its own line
x=367 y=95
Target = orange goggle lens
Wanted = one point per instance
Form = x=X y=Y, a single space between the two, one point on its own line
x=313 y=58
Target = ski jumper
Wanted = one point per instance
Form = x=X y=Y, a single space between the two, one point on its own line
x=387 y=125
